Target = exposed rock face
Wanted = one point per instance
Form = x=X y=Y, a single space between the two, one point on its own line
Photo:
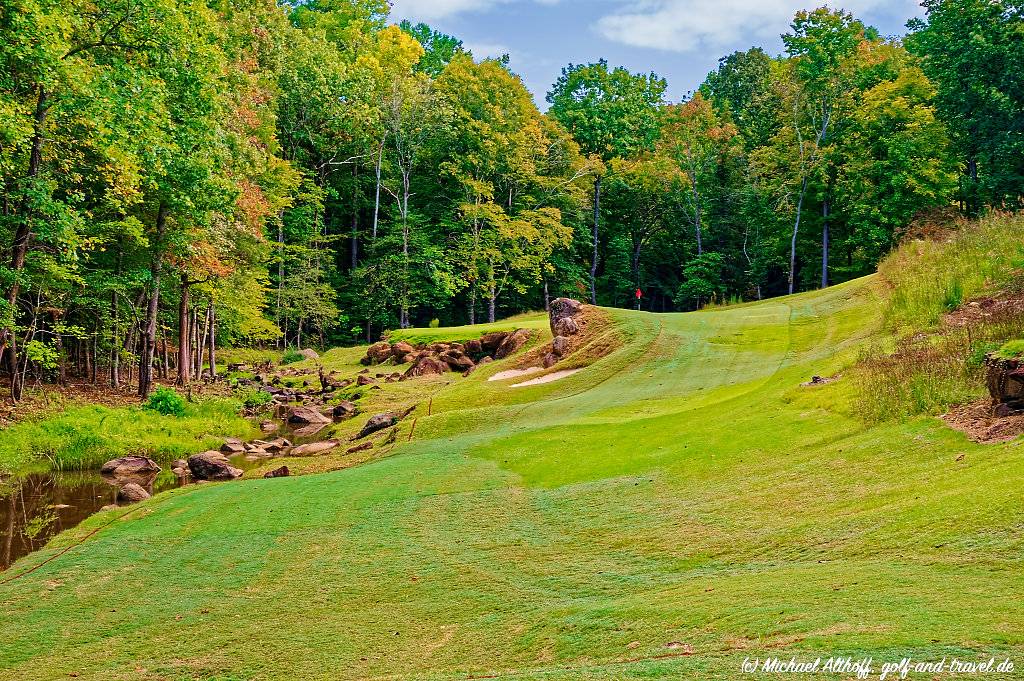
x=560 y=346
x=233 y=446
x=564 y=308
x=566 y=326
x=426 y=365
x=212 y=466
x=359 y=448
x=1005 y=381
x=309 y=353
x=550 y=360
x=377 y=423
x=457 y=360
x=512 y=344
x=365 y=380
x=492 y=341
x=281 y=472
x=314 y=448
x=131 y=494
x=304 y=416
x=473 y=348
x=130 y=466
x=400 y=349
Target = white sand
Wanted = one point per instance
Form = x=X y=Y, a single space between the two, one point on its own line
x=548 y=378
x=513 y=373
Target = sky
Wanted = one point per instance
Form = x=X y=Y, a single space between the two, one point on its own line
x=681 y=40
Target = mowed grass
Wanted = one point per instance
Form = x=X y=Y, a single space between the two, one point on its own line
x=683 y=490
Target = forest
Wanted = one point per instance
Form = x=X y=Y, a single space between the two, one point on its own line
x=183 y=175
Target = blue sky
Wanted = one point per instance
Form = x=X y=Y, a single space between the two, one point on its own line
x=681 y=40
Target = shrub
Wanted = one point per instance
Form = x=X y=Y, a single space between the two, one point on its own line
x=291 y=356
x=165 y=401
x=253 y=398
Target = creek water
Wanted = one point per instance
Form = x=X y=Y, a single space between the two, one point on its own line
x=36 y=506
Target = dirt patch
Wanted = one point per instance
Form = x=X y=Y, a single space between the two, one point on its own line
x=514 y=373
x=977 y=422
x=548 y=378
x=821 y=380
x=986 y=310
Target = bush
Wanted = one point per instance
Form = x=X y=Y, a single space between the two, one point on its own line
x=291 y=356
x=165 y=401
x=253 y=398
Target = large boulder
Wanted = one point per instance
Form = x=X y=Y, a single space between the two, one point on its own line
x=560 y=346
x=212 y=466
x=457 y=360
x=426 y=365
x=307 y=416
x=281 y=472
x=377 y=423
x=377 y=353
x=566 y=326
x=400 y=349
x=512 y=344
x=563 y=308
x=1005 y=381
x=138 y=466
x=309 y=353
x=232 y=445
x=473 y=348
x=344 y=410
x=132 y=494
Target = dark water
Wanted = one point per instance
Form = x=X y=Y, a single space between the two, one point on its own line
x=36 y=506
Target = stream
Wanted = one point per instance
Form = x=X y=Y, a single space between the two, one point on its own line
x=36 y=506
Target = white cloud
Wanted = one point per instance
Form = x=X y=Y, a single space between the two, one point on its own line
x=692 y=25
x=428 y=10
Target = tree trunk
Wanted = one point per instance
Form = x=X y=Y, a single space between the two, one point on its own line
x=796 y=229
x=472 y=303
x=404 y=317
x=149 y=338
x=212 y=316
x=184 y=335
x=636 y=269
x=282 y=341
x=825 y=206
x=597 y=220
x=547 y=297
x=492 y=304
x=355 y=217
x=376 y=198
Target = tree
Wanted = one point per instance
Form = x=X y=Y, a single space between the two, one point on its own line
x=611 y=114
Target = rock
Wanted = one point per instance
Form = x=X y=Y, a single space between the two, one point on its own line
x=563 y=308
x=560 y=346
x=377 y=423
x=131 y=494
x=232 y=446
x=474 y=347
x=1005 y=380
x=269 y=426
x=179 y=463
x=129 y=466
x=457 y=360
x=512 y=344
x=309 y=353
x=408 y=359
x=238 y=367
x=550 y=360
x=566 y=326
x=485 y=360
x=180 y=472
x=110 y=507
x=344 y=410
x=212 y=466
x=304 y=416
x=365 y=380
x=400 y=349
x=281 y=472
x=1001 y=411
x=426 y=366
x=359 y=448
x=314 y=448
x=378 y=352
x=277 y=445
x=492 y=341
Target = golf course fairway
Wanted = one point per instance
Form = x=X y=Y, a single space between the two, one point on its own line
x=680 y=505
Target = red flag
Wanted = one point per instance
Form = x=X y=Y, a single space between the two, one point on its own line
x=639 y=294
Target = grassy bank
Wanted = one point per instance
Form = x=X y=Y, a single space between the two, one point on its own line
x=84 y=437
x=933 y=360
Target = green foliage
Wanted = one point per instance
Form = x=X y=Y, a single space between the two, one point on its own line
x=253 y=398
x=165 y=401
x=291 y=356
x=1013 y=349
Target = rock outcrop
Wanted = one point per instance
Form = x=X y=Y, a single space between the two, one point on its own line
x=281 y=472
x=212 y=466
x=1005 y=381
x=563 y=316
x=377 y=423
x=435 y=359
x=307 y=416
x=132 y=494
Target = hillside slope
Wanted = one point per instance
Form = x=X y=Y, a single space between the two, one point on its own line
x=684 y=494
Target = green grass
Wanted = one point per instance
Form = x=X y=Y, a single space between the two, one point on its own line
x=684 y=487
x=87 y=436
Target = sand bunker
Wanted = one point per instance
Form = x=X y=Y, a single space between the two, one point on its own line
x=547 y=378
x=514 y=373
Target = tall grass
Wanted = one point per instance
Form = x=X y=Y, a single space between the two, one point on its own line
x=931 y=278
x=87 y=436
x=934 y=365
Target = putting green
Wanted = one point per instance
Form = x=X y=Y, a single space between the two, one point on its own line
x=678 y=506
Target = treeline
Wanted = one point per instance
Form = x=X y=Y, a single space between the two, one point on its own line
x=179 y=175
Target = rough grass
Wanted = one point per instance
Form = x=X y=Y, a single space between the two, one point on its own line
x=86 y=436
x=683 y=488
x=927 y=373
